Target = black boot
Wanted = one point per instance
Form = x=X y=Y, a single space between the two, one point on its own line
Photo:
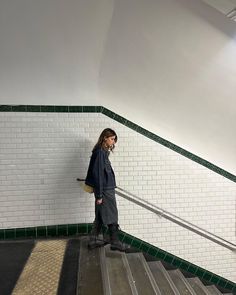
x=114 y=236
x=94 y=239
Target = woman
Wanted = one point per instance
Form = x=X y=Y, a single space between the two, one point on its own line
x=101 y=177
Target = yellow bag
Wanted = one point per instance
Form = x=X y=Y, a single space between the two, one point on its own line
x=87 y=188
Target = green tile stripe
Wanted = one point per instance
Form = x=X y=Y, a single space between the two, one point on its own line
x=68 y=230
x=50 y=108
x=122 y=120
x=45 y=231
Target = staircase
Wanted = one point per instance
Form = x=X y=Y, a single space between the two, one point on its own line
x=105 y=272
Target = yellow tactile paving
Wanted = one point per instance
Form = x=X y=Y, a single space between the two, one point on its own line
x=41 y=273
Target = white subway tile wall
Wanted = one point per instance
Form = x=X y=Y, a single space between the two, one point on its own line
x=42 y=154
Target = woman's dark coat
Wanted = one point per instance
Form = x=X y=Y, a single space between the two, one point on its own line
x=101 y=177
x=100 y=174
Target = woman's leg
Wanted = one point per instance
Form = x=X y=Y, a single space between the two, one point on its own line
x=94 y=240
x=114 y=238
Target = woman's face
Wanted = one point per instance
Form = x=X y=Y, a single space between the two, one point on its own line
x=110 y=141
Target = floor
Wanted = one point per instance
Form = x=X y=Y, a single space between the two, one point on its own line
x=39 y=267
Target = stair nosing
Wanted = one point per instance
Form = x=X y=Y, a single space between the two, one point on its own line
x=150 y=275
x=214 y=287
x=200 y=284
x=167 y=276
x=184 y=280
x=129 y=275
x=105 y=273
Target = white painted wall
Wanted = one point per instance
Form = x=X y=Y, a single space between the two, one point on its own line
x=50 y=50
x=169 y=66
x=42 y=154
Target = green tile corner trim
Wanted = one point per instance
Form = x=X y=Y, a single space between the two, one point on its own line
x=125 y=122
x=70 y=230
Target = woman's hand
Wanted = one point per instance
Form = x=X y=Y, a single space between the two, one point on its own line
x=99 y=201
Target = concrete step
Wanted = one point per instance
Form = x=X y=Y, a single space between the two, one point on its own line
x=213 y=290
x=181 y=283
x=142 y=275
x=114 y=273
x=162 y=278
x=198 y=286
x=90 y=275
x=102 y=271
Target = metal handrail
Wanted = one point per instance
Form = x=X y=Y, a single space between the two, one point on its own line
x=173 y=218
x=180 y=221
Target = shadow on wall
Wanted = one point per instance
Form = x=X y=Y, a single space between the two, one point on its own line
x=73 y=162
x=63 y=164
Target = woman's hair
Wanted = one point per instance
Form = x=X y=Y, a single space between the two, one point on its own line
x=101 y=140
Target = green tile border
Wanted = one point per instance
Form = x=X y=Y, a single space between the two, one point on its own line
x=10 y=234
x=52 y=231
x=41 y=231
x=46 y=231
x=20 y=232
x=50 y=108
x=30 y=232
x=122 y=120
x=70 y=230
